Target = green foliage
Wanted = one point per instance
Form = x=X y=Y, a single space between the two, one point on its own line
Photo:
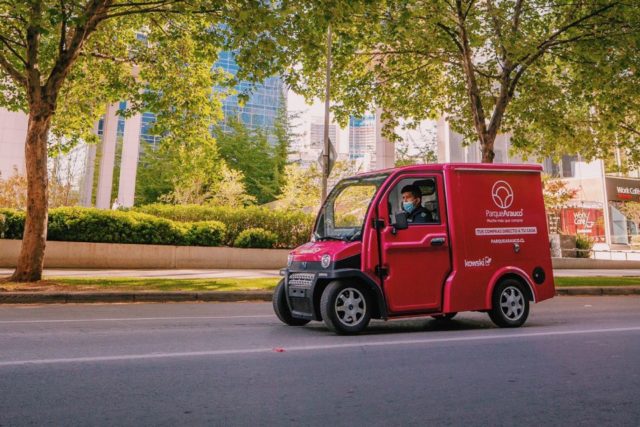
x=104 y=226
x=206 y=233
x=302 y=189
x=3 y=225
x=556 y=193
x=170 y=225
x=562 y=77
x=255 y=238
x=583 y=245
x=158 y=58
x=13 y=223
x=291 y=227
x=250 y=152
x=230 y=190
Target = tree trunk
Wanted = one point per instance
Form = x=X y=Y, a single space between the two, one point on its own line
x=486 y=145
x=31 y=258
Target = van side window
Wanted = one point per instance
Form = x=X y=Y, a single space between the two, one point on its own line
x=418 y=198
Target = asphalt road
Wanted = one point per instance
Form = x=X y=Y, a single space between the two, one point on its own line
x=576 y=362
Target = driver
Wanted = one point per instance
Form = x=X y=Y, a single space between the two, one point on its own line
x=412 y=205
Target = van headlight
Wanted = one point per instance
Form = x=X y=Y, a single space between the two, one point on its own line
x=289 y=260
x=325 y=261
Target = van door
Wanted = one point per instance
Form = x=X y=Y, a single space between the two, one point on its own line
x=416 y=260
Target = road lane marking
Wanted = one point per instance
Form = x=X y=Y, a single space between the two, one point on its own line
x=131 y=357
x=127 y=319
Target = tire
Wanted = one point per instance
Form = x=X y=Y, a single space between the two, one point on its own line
x=444 y=317
x=281 y=308
x=345 y=308
x=510 y=305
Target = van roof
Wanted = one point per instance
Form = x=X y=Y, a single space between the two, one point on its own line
x=507 y=167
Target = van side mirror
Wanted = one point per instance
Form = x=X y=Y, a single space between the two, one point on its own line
x=400 y=221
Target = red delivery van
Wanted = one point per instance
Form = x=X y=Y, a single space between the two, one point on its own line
x=424 y=240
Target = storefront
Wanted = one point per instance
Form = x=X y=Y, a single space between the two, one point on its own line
x=588 y=222
x=619 y=193
x=585 y=215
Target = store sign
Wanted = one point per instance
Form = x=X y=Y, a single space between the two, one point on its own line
x=587 y=222
x=623 y=189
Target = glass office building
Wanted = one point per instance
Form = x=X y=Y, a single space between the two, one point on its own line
x=362 y=136
x=260 y=111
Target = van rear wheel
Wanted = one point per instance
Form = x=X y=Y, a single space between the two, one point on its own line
x=510 y=305
x=345 y=308
x=281 y=308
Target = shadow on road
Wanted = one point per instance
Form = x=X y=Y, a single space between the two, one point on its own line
x=380 y=327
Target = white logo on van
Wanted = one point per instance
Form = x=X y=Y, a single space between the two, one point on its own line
x=502 y=194
x=482 y=262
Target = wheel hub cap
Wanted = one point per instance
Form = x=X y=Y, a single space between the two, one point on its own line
x=350 y=306
x=512 y=303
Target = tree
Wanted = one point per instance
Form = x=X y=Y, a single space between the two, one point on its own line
x=230 y=190
x=63 y=61
x=416 y=145
x=250 y=152
x=284 y=135
x=489 y=66
x=302 y=188
x=13 y=190
x=556 y=195
x=631 y=210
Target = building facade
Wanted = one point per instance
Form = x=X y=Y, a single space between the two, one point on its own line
x=266 y=98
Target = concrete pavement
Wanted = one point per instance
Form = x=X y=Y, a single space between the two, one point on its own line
x=574 y=363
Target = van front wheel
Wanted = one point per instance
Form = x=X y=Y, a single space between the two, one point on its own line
x=510 y=307
x=345 y=308
x=281 y=308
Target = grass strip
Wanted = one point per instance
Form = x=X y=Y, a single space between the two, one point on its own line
x=597 y=281
x=103 y=284
x=143 y=284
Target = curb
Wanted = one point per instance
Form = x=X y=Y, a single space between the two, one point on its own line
x=595 y=290
x=130 y=297
x=221 y=296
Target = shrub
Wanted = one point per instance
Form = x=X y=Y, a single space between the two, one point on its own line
x=173 y=225
x=255 y=238
x=13 y=223
x=77 y=224
x=104 y=226
x=583 y=246
x=292 y=228
x=206 y=233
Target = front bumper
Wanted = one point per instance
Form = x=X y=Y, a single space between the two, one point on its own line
x=299 y=286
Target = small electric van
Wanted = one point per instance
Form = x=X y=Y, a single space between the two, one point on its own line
x=481 y=245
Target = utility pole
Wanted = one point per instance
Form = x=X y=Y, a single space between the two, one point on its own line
x=326 y=150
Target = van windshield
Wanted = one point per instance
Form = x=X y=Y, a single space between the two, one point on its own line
x=343 y=213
